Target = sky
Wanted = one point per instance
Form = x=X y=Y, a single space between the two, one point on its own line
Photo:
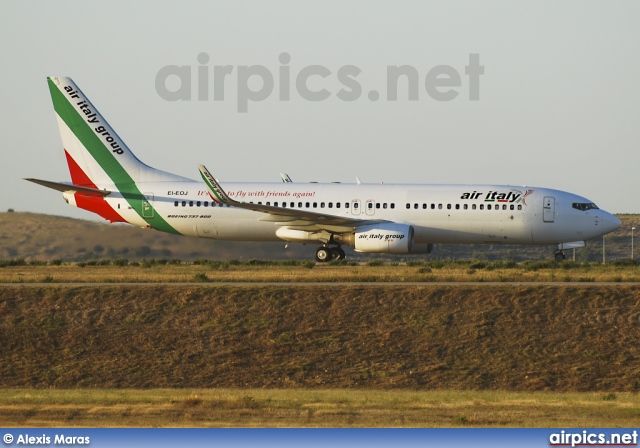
x=556 y=102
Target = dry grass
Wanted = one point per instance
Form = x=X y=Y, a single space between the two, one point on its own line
x=443 y=272
x=315 y=408
x=464 y=337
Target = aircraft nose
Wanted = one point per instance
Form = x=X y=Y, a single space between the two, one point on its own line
x=609 y=222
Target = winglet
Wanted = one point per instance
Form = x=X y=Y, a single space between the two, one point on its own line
x=285 y=178
x=215 y=190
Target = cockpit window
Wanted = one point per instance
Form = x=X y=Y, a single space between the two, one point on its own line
x=584 y=206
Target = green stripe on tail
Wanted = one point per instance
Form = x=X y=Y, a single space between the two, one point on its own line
x=105 y=158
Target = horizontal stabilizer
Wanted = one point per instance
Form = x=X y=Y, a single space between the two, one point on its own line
x=64 y=187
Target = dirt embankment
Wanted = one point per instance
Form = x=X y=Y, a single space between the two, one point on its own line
x=558 y=338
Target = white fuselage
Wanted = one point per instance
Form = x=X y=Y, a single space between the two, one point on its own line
x=438 y=213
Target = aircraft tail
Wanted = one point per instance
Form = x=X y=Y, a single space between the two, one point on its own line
x=97 y=157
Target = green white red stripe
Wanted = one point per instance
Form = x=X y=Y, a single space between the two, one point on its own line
x=98 y=150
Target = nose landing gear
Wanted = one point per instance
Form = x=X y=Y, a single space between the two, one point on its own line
x=325 y=253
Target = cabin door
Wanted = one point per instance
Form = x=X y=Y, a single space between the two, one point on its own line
x=147 y=206
x=549 y=209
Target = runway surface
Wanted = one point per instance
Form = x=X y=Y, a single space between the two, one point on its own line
x=321 y=284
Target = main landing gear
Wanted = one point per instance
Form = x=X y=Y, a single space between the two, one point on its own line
x=559 y=256
x=326 y=253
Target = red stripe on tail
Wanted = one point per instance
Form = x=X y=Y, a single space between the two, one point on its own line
x=91 y=203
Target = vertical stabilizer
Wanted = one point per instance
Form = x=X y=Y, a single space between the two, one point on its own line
x=96 y=155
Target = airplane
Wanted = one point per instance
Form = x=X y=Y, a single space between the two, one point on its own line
x=108 y=179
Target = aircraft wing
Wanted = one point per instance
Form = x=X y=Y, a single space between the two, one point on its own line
x=293 y=218
x=70 y=188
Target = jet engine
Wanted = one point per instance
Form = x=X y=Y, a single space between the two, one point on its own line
x=387 y=238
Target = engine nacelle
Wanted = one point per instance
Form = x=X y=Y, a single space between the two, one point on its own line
x=384 y=238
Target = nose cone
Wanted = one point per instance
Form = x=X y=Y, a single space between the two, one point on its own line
x=609 y=223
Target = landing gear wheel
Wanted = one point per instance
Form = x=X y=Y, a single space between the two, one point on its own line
x=323 y=254
x=334 y=254
x=559 y=256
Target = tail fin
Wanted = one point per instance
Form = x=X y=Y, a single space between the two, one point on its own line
x=96 y=155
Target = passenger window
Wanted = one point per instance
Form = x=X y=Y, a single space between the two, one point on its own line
x=300 y=204
x=457 y=206
x=184 y=203
x=322 y=205
x=259 y=202
x=488 y=206
x=330 y=204
x=198 y=204
x=190 y=203
x=465 y=206
x=284 y=204
x=519 y=207
x=408 y=206
x=377 y=205
x=206 y=203
x=393 y=205
x=512 y=207
x=268 y=203
x=355 y=205
x=384 y=205
x=370 y=205
x=433 y=206
x=473 y=206
x=346 y=205
x=481 y=206
x=415 y=206
x=504 y=207
x=439 y=206
x=448 y=206
x=337 y=205
x=315 y=205
x=424 y=206
x=175 y=203
x=307 y=204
